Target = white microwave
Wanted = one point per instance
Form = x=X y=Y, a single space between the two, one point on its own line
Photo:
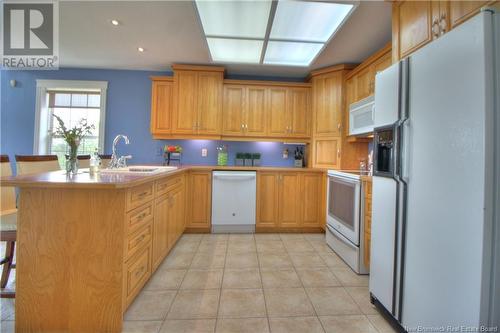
x=361 y=116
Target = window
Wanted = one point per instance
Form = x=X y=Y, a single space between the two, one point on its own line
x=71 y=101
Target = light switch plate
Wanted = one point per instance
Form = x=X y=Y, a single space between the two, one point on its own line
x=204 y=152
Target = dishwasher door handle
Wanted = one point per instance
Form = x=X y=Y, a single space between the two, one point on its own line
x=234 y=177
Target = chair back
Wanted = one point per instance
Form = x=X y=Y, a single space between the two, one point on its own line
x=8 y=193
x=105 y=160
x=28 y=164
x=83 y=161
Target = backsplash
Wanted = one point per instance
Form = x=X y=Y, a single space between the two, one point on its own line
x=271 y=152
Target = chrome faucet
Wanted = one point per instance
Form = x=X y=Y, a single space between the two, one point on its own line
x=119 y=162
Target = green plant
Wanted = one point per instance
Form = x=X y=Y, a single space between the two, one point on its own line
x=240 y=155
x=256 y=156
x=74 y=135
x=248 y=155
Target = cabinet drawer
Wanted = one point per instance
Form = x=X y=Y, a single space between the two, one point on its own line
x=138 y=240
x=139 y=217
x=139 y=195
x=165 y=185
x=137 y=272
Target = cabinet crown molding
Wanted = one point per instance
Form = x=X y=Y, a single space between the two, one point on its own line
x=330 y=69
x=185 y=67
x=368 y=61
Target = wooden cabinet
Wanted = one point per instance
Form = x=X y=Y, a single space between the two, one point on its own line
x=289 y=200
x=209 y=108
x=360 y=82
x=185 y=113
x=313 y=194
x=160 y=229
x=233 y=110
x=198 y=103
x=413 y=20
x=161 y=104
x=255 y=111
x=327 y=152
x=197 y=108
x=300 y=115
x=267 y=199
x=327 y=104
x=416 y=23
x=278 y=120
x=199 y=200
x=363 y=81
x=244 y=110
x=461 y=11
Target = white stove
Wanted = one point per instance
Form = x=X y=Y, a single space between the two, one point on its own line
x=344 y=218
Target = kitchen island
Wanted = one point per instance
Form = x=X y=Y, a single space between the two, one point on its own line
x=86 y=245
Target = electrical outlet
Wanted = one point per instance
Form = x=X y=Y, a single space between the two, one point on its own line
x=204 y=152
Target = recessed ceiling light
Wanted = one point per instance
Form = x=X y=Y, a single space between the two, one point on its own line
x=140 y=49
x=115 y=22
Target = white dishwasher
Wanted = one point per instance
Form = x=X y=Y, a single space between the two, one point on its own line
x=233 y=201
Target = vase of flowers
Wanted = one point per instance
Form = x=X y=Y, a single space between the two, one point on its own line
x=73 y=137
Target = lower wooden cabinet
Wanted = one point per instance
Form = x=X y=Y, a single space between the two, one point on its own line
x=289 y=200
x=199 y=201
x=160 y=229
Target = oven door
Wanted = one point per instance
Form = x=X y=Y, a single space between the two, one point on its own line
x=343 y=205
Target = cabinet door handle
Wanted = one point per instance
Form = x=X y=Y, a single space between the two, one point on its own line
x=442 y=23
x=435 y=28
x=243 y=126
x=338 y=153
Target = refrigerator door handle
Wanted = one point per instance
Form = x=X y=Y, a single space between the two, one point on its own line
x=405 y=151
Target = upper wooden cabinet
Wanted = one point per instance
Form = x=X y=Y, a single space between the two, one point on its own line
x=197 y=108
x=360 y=82
x=275 y=111
x=161 y=104
x=278 y=120
x=461 y=11
x=327 y=103
x=416 y=23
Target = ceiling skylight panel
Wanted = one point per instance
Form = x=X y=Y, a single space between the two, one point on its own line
x=308 y=21
x=235 y=50
x=291 y=53
x=246 y=19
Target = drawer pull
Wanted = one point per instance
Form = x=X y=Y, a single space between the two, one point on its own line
x=139 y=272
x=140 y=217
x=142 y=194
x=140 y=239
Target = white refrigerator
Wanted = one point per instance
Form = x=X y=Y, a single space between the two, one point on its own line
x=435 y=252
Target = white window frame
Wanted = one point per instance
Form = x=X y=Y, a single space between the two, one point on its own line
x=42 y=121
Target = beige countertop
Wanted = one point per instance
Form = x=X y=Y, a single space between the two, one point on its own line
x=59 y=179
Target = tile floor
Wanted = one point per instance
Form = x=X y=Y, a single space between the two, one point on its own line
x=249 y=283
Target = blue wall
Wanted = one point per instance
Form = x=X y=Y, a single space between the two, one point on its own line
x=128 y=107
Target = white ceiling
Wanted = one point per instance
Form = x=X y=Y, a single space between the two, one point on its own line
x=171 y=33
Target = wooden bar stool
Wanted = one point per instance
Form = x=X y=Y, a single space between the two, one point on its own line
x=105 y=160
x=8 y=226
x=27 y=164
